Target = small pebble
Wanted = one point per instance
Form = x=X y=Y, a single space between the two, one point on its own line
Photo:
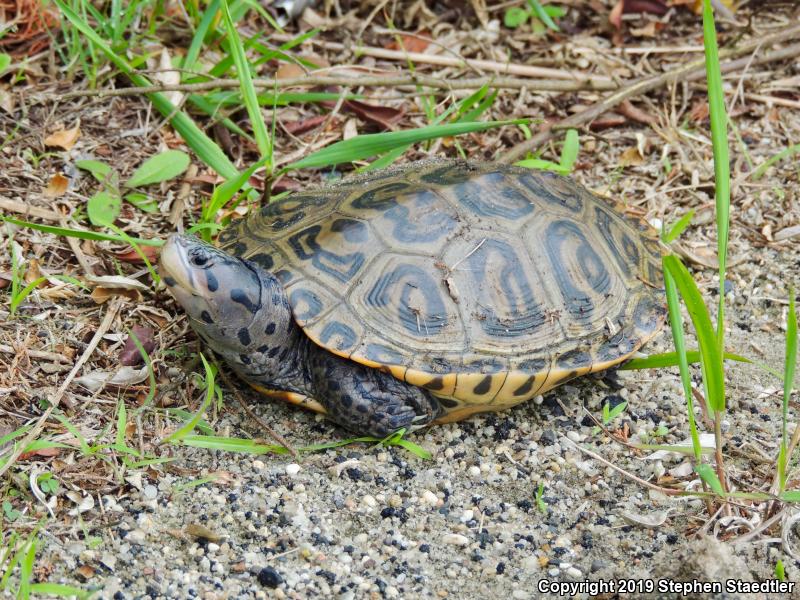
x=474 y=471
x=150 y=492
x=455 y=539
x=428 y=497
x=292 y=469
x=269 y=577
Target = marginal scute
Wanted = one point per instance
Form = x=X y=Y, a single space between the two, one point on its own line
x=485 y=284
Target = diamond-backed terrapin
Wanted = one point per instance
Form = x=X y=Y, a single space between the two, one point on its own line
x=423 y=293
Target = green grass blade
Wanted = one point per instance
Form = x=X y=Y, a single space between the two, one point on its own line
x=199 y=38
x=569 y=152
x=82 y=234
x=758 y=173
x=670 y=359
x=19 y=298
x=26 y=570
x=710 y=355
x=364 y=146
x=542 y=15
x=708 y=475
x=249 y=94
x=719 y=141
x=788 y=382
x=205 y=148
x=213 y=442
x=184 y=430
x=679 y=227
x=58 y=589
x=676 y=324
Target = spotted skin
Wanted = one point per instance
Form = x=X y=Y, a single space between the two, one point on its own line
x=474 y=286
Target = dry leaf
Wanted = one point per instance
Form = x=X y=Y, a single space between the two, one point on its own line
x=168 y=76
x=84 y=503
x=102 y=295
x=706 y=441
x=130 y=355
x=615 y=16
x=123 y=377
x=84 y=572
x=653 y=520
x=33 y=272
x=115 y=281
x=303 y=125
x=350 y=129
x=649 y=30
x=787 y=232
x=63 y=138
x=7 y=100
x=290 y=71
x=131 y=256
x=57 y=186
x=699 y=111
x=201 y=532
x=655 y=7
x=631 y=157
x=411 y=43
x=46 y=452
x=385 y=116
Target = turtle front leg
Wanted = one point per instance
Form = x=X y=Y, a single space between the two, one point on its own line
x=368 y=401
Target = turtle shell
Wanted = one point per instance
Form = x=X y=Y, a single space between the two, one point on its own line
x=486 y=284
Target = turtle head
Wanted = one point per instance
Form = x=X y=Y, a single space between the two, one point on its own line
x=233 y=304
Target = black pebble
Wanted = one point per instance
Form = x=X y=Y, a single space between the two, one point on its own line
x=548 y=437
x=269 y=577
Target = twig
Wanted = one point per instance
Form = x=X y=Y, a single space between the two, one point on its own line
x=113 y=309
x=272 y=433
x=28 y=210
x=539 y=85
x=76 y=250
x=690 y=71
x=40 y=354
x=652 y=486
x=451 y=61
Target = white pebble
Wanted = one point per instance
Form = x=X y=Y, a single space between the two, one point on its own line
x=258 y=465
x=428 y=497
x=467 y=516
x=474 y=471
x=455 y=539
x=292 y=469
x=150 y=492
x=212 y=547
x=574 y=436
x=369 y=501
x=136 y=536
x=574 y=572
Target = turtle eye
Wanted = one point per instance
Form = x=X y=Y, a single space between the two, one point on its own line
x=199 y=259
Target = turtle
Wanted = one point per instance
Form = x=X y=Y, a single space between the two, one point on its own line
x=422 y=293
